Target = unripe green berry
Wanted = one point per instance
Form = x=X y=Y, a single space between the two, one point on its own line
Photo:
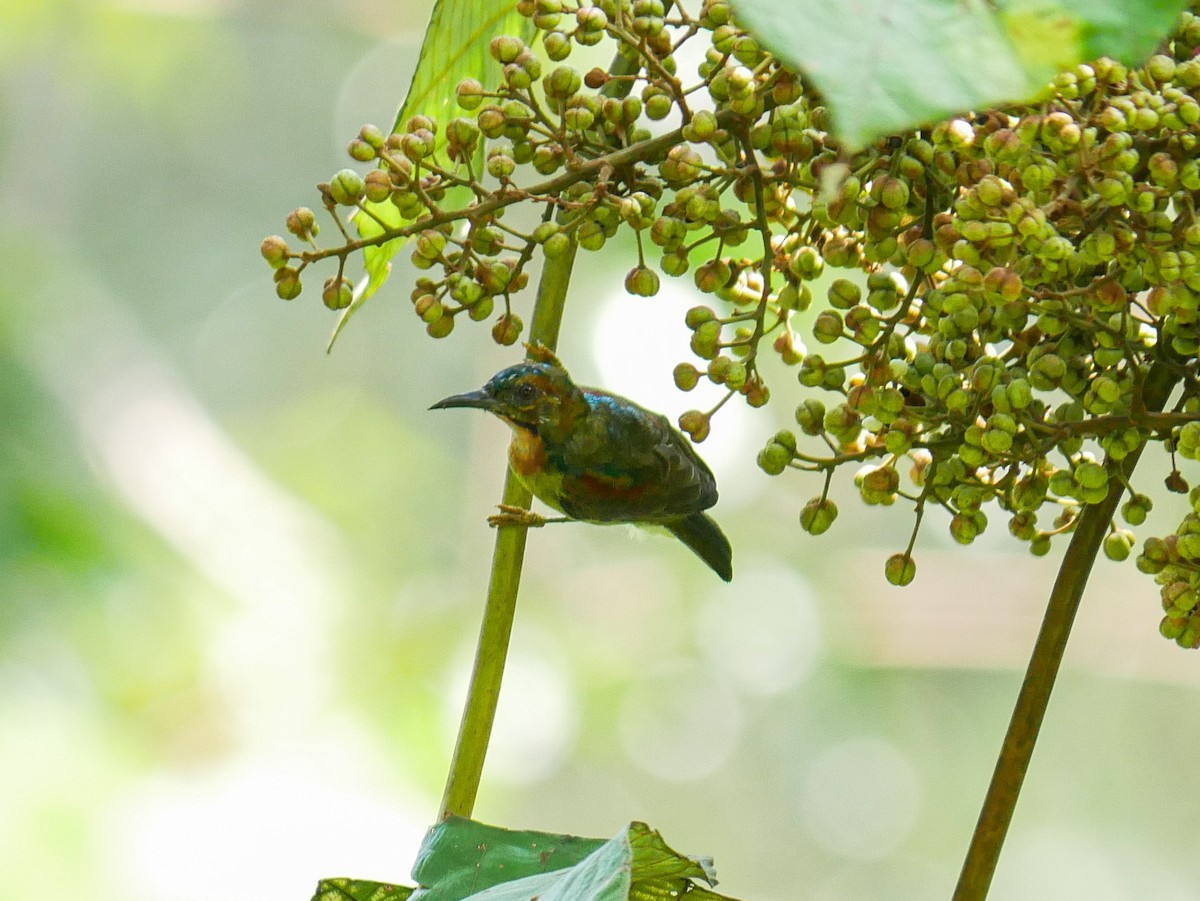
x=842 y=422
x=1134 y=510
x=705 y=339
x=481 y=309
x=429 y=308
x=1091 y=475
x=1118 y=544
x=274 y=250
x=360 y=151
x=964 y=527
x=590 y=235
x=878 y=484
x=813 y=371
x=338 y=293
x=301 y=222
x=505 y=48
x=1188 y=441
x=695 y=423
x=920 y=253
x=347 y=187
x=556 y=245
x=675 y=263
x=900 y=569
x=718 y=369
x=372 y=135
x=562 y=82
x=418 y=144
x=591 y=19
x=828 y=326
x=736 y=376
x=440 y=327
x=774 y=458
x=1173 y=627
x=756 y=393
x=1160 y=67
x=558 y=44
x=469 y=94
x=1154 y=557
x=686 y=376
x=844 y=294
x=287 y=283
x=429 y=244
x=681 y=167
x=810 y=416
x=806 y=263
x=659 y=105
x=500 y=163
x=1023 y=526
x=642 y=281
x=420 y=122
x=697 y=316
x=507 y=329
x=715 y=14
x=378 y=185
x=463 y=132
x=818 y=515
x=702 y=127
x=997 y=442
x=787 y=438
x=891 y=192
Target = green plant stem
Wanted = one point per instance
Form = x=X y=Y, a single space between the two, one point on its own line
x=483 y=692
x=1073 y=572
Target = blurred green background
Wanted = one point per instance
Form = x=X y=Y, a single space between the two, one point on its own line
x=240 y=580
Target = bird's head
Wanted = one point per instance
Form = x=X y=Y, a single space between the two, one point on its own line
x=539 y=397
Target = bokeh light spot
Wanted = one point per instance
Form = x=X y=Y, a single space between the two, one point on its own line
x=680 y=723
x=860 y=798
x=537 y=718
x=766 y=634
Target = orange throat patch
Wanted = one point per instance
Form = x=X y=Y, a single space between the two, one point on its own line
x=527 y=453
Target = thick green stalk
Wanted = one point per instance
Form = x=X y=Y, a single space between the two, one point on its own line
x=483 y=693
x=1073 y=572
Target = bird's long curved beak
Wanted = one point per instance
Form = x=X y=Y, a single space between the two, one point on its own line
x=478 y=399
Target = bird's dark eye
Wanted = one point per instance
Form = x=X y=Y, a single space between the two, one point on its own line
x=526 y=391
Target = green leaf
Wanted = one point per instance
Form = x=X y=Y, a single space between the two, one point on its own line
x=462 y=860
x=891 y=65
x=359 y=890
x=652 y=859
x=460 y=857
x=455 y=47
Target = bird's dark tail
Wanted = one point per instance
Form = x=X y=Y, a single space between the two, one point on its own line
x=701 y=533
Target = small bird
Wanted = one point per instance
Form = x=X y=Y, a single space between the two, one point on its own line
x=599 y=458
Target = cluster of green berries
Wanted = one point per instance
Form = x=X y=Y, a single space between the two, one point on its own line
x=984 y=298
x=1174 y=561
x=1014 y=276
x=544 y=135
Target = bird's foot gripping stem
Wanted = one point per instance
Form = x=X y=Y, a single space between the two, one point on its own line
x=519 y=516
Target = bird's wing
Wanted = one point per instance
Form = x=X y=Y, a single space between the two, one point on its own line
x=627 y=464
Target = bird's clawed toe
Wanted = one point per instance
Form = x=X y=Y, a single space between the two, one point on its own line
x=515 y=516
